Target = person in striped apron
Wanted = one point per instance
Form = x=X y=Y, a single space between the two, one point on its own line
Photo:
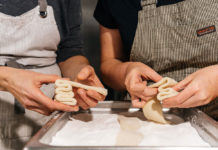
x=145 y=40
x=40 y=41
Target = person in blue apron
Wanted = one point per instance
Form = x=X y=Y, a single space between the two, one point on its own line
x=145 y=40
x=40 y=41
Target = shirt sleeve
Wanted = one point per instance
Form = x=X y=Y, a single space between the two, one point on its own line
x=71 y=44
x=103 y=15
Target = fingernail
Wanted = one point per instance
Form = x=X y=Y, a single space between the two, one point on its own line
x=82 y=74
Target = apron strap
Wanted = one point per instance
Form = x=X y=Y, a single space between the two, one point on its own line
x=43 y=8
x=148 y=4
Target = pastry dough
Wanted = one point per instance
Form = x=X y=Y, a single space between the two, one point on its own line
x=129 y=123
x=64 y=91
x=100 y=90
x=152 y=109
x=129 y=134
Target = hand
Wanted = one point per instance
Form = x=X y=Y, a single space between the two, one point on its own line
x=25 y=86
x=136 y=78
x=198 y=89
x=88 y=98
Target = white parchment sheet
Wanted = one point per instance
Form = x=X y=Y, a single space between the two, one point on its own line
x=103 y=129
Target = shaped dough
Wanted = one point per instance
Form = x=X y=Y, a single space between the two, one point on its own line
x=100 y=90
x=152 y=109
x=64 y=91
x=64 y=94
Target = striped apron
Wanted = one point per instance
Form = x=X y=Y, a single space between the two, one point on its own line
x=178 y=39
x=27 y=42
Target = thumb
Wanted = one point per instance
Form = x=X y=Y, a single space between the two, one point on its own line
x=182 y=84
x=85 y=73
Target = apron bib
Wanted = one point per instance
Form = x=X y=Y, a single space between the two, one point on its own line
x=178 y=39
x=28 y=42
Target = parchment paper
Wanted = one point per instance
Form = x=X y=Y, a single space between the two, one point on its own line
x=102 y=130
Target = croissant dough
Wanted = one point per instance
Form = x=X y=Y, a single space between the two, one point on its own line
x=64 y=91
x=129 y=134
x=152 y=109
x=100 y=90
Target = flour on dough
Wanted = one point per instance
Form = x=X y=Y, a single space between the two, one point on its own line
x=129 y=123
x=129 y=134
x=152 y=109
x=129 y=138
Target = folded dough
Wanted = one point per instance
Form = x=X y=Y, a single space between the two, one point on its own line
x=152 y=109
x=64 y=91
x=129 y=135
x=100 y=90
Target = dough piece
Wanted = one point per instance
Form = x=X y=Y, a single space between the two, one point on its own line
x=166 y=93
x=129 y=134
x=60 y=83
x=152 y=109
x=64 y=87
x=73 y=102
x=64 y=97
x=164 y=83
x=64 y=91
x=129 y=123
x=64 y=94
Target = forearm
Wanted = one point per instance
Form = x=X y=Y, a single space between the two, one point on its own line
x=113 y=72
x=72 y=66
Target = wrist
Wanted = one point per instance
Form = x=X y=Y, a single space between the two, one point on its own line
x=4 y=77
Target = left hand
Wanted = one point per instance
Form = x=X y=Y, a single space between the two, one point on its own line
x=88 y=98
x=199 y=88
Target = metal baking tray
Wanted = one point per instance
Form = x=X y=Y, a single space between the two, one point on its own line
x=206 y=127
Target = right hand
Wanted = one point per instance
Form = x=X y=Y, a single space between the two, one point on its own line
x=137 y=75
x=25 y=86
